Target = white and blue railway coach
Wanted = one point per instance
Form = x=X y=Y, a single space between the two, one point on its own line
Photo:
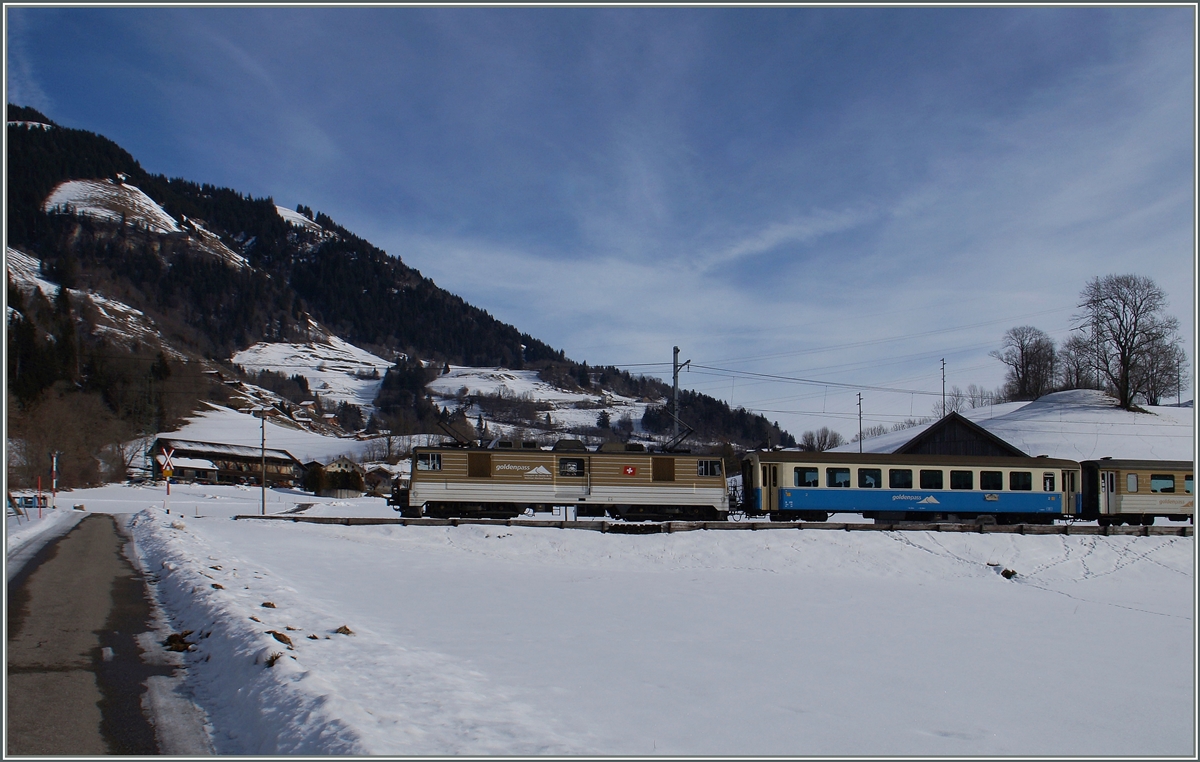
x=808 y=486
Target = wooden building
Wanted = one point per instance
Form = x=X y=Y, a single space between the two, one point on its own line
x=225 y=463
x=956 y=435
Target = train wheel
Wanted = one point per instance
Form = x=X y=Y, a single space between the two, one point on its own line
x=1104 y=521
x=1147 y=520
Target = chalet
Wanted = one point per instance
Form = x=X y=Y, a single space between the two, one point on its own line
x=956 y=435
x=344 y=465
x=225 y=463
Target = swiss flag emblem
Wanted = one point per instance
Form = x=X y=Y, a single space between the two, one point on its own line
x=631 y=470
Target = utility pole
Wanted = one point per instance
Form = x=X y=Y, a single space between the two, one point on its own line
x=262 y=413
x=943 y=387
x=676 y=367
x=860 y=422
x=54 y=478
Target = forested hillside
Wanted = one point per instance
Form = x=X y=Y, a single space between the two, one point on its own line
x=302 y=280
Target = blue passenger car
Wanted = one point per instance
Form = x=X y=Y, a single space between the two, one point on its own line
x=792 y=486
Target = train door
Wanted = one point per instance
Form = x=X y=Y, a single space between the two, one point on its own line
x=1070 y=485
x=1108 y=492
x=770 y=487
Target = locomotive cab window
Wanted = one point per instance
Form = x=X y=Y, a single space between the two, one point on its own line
x=1020 y=481
x=900 y=478
x=1131 y=482
x=1162 y=483
x=807 y=477
x=429 y=461
x=1048 y=481
x=837 y=477
x=992 y=481
x=1187 y=484
x=962 y=480
x=708 y=468
x=931 y=479
x=870 y=478
x=572 y=467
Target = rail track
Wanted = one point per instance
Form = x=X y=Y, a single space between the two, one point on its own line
x=657 y=527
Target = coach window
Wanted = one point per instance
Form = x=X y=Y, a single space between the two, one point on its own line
x=962 y=480
x=900 y=478
x=1187 y=484
x=571 y=467
x=992 y=481
x=870 y=478
x=837 y=477
x=429 y=461
x=1020 y=481
x=1131 y=483
x=807 y=477
x=1162 y=482
x=931 y=479
x=1047 y=481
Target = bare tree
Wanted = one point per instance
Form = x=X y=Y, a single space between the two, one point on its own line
x=1077 y=364
x=871 y=432
x=956 y=401
x=820 y=440
x=1164 y=371
x=1125 y=317
x=1029 y=354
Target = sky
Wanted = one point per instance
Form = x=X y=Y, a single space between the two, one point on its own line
x=840 y=195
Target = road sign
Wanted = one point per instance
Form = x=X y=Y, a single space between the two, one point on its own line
x=167 y=455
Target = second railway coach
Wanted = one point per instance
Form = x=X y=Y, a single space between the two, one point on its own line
x=1138 y=491
x=622 y=481
x=789 y=486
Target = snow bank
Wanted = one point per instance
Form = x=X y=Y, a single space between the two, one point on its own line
x=328 y=691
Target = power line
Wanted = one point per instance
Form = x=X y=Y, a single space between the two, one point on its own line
x=815 y=382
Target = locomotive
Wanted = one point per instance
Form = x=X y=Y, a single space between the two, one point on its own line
x=627 y=481
x=620 y=480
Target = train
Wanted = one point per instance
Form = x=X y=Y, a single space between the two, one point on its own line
x=628 y=481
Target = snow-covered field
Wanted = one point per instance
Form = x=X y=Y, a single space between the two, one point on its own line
x=522 y=640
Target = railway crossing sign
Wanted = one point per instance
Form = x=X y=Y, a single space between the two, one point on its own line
x=168 y=468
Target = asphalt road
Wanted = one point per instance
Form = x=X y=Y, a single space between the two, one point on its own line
x=75 y=676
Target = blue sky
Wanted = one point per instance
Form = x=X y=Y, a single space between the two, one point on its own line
x=841 y=194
